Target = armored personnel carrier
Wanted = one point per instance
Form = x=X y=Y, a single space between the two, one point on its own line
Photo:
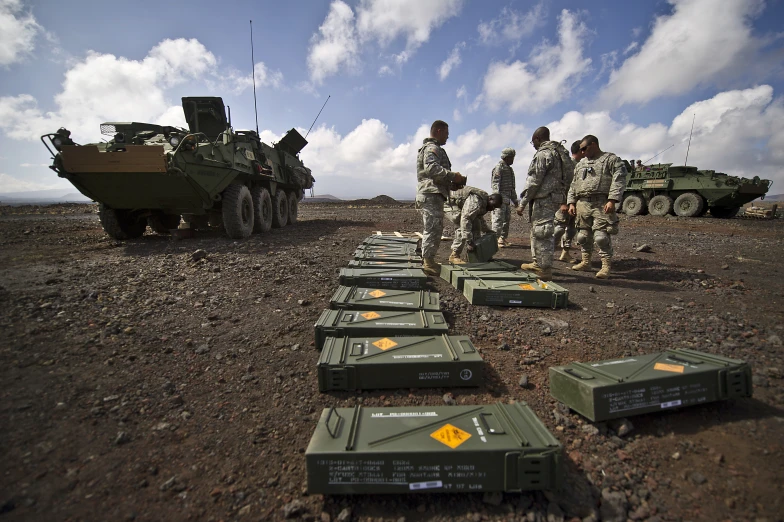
x=685 y=191
x=208 y=174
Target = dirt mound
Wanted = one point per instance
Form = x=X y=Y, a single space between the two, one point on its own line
x=378 y=200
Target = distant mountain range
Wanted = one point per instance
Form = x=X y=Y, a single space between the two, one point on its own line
x=42 y=197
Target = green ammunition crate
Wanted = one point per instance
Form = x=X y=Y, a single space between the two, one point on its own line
x=448 y=268
x=459 y=277
x=369 y=363
x=515 y=293
x=432 y=449
x=355 y=298
x=372 y=323
x=400 y=278
x=397 y=249
x=396 y=235
x=399 y=256
x=384 y=264
x=646 y=383
x=391 y=240
x=486 y=247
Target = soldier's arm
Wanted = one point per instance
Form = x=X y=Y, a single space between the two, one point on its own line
x=618 y=184
x=495 y=179
x=536 y=174
x=434 y=170
x=471 y=209
x=571 y=195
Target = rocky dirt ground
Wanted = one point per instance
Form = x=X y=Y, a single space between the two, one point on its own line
x=142 y=381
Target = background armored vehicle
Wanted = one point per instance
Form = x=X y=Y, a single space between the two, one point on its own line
x=685 y=191
x=208 y=174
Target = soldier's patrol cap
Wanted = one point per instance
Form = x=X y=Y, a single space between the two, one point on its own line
x=508 y=152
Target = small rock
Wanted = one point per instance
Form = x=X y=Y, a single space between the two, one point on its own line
x=168 y=484
x=494 y=498
x=592 y=289
x=614 y=506
x=622 y=427
x=644 y=248
x=718 y=459
x=760 y=381
x=698 y=478
x=294 y=508
x=303 y=302
x=610 y=305
x=774 y=339
x=504 y=347
x=295 y=348
x=344 y=515
x=725 y=267
x=676 y=456
x=204 y=348
x=524 y=381
x=449 y=399
x=590 y=429
x=244 y=510
x=199 y=255
x=122 y=438
x=176 y=401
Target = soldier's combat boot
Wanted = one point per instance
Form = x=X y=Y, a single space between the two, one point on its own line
x=604 y=273
x=566 y=257
x=430 y=267
x=454 y=258
x=543 y=273
x=585 y=264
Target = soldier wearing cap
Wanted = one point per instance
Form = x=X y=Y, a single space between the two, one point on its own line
x=502 y=181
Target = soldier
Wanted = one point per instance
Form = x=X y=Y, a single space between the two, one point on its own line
x=564 y=223
x=434 y=178
x=502 y=181
x=598 y=185
x=467 y=208
x=545 y=190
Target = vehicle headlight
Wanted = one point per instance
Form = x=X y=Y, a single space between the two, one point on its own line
x=119 y=137
x=174 y=141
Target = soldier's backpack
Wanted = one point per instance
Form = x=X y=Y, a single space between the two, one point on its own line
x=567 y=163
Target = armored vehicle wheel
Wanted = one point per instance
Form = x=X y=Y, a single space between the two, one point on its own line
x=280 y=209
x=688 y=204
x=660 y=205
x=120 y=224
x=293 y=207
x=161 y=223
x=633 y=205
x=262 y=210
x=724 y=213
x=237 y=211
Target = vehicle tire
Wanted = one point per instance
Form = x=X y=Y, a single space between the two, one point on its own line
x=280 y=209
x=633 y=205
x=660 y=205
x=120 y=224
x=688 y=204
x=724 y=213
x=262 y=210
x=237 y=211
x=161 y=223
x=293 y=207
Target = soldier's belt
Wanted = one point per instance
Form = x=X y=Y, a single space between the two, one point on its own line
x=593 y=198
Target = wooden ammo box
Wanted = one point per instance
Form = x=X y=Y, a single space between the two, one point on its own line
x=374 y=323
x=448 y=268
x=460 y=276
x=432 y=449
x=646 y=383
x=372 y=263
x=355 y=298
x=401 y=278
x=486 y=247
x=367 y=363
x=515 y=293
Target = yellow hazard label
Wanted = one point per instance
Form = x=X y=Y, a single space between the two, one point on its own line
x=370 y=315
x=675 y=368
x=525 y=286
x=377 y=293
x=385 y=344
x=450 y=435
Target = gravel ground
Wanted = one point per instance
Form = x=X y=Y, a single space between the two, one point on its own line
x=157 y=379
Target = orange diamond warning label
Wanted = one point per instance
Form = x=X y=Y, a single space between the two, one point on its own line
x=385 y=344
x=450 y=435
x=370 y=315
x=526 y=286
x=377 y=293
x=675 y=368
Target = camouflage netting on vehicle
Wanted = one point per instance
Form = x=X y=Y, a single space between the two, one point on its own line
x=303 y=177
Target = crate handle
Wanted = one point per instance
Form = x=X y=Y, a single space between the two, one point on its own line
x=352 y=432
x=334 y=410
x=681 y=360
x=488 y=429
x=583 y=377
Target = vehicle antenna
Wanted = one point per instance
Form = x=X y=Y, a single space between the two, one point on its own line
x=665 y=150
x=690 y=133
x=317 y=115
x=253 y=69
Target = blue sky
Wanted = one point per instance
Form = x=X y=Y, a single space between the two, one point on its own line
x=494 y=70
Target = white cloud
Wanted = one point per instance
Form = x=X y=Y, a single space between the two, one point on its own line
x=512 y=25
x=461 y=92
x=335 y=46
x=307 y=88
x=697 y=44
x=103 y=87
x=10 y=184
x=385 y=70
x=452 y=61
x=414 y=20
x=18 y=30
x=546 y=78
x=631 y=47
x=34 y=165
x=238 y=82
x=456 y=115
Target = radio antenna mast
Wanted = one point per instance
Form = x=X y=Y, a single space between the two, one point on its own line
x=253 y=69
x=317 y=115
x=690 y=133
x=662 y=152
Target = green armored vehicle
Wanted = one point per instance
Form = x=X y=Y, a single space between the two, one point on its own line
x=685 y=191
x=208 y=174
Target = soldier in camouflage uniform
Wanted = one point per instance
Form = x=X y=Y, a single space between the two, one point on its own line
x=502 y=181
x=466 y=209
x=564 y=223
x=544 y=191
x=597 y=187
x=434 y=179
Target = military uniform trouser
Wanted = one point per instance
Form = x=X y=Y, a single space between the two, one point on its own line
x=501 y=218
x=460 y=241
x=431 y=206
x=564 y=228
x=542 y=228
x=594 y=226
